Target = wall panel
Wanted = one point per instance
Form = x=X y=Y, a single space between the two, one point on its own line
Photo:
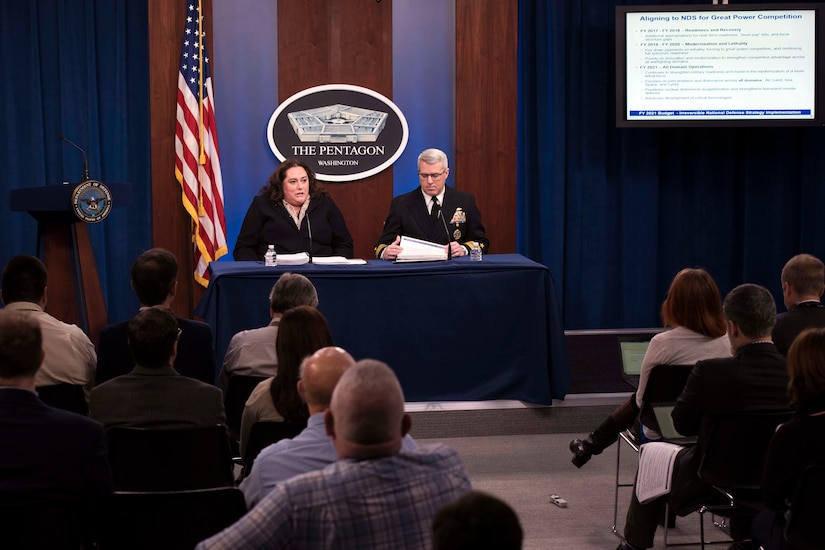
x=485 y=103
x=347 y=42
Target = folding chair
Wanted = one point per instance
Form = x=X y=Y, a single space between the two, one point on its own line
x=734 y=449
x=69 y=397
x=170 y=460
x=807 y=510
x=238 y=390
x=168 y=520
x=264 y=434
x=664 y=385
x=38 y=524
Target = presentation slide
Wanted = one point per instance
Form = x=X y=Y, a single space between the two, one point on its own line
x=702 y=65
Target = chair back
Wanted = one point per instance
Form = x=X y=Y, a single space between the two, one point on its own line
x=238 y=390
x=664 y=385
x=807 y=510
x=69 y=397
x=53 y=524
x=264 y=434
x=735 y=446
x=170 y=460
x=168 y=520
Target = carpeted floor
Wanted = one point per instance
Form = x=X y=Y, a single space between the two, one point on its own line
x=521 y=455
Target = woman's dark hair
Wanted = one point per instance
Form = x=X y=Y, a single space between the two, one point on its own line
x=302 y=331
x=274 y=188
x=806 y=366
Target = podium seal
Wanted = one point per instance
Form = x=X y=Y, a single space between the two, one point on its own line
x=91 y=201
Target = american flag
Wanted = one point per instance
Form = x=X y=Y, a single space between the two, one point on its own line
x=197 y=166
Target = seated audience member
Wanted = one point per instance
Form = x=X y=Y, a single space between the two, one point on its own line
x=799 y=442
x=754 y=379
x=293 y=213
x=477 y=521
x=154 y=394
x=312 y=449
x=803 y=282
x=374 y=496
x=424 y=212
x=155 y=282
x=692 y=311
x=252 y=352
x=303 y=331
x=49 y=454
x=70 y=355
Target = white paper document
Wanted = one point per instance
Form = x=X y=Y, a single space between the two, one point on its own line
x=299 y=258
x=418 y=250
x=336 y=260
x=655 y=475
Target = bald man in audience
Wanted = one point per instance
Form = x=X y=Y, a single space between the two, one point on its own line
x=312 y=449
x=375 y=496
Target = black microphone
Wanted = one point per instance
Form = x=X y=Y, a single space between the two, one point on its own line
x=85 y=160
x=449 y=237
x=309 y=228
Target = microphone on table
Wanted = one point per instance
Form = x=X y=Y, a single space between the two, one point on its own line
x=309 y=229
x=449 y=237
x=85 y=160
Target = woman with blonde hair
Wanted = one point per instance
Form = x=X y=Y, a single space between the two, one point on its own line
x=692 y=311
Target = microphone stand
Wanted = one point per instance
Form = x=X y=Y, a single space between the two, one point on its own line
x=85 y=160
x=309 y=229
x=449 y=237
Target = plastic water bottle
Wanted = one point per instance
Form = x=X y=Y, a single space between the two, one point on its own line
x=271 y=257
x=475 y=252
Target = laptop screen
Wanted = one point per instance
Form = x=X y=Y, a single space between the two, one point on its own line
x=663 y=411
x=633 y=351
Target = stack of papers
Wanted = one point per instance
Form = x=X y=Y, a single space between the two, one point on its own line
x=655 y=474
x=299 y=258
x=336 y=260
x=417 y=250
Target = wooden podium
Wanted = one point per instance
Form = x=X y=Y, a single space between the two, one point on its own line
x=74 y=291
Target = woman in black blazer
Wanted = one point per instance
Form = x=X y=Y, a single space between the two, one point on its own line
x=295 y=214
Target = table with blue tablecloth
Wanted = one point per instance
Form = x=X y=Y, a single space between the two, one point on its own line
x=452 y=331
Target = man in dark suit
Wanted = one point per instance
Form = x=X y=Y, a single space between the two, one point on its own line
x=433 y=212
x=154 y=395
x=803 y=282
x=155 y=281
x=48 y=454
x=754 y=379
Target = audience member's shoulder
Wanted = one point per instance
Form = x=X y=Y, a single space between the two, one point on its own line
x=112 y=328
x=191 y=324
x=195 y=383
x=75 y=422
x=437 y=451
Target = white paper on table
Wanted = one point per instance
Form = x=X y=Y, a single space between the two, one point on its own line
x=419 y=250
x=336 y=260
x=299 y=258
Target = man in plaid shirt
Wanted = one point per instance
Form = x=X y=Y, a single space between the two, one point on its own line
x=375 y=496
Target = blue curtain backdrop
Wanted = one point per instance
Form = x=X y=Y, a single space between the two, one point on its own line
x=78 y=68
x=615 y=213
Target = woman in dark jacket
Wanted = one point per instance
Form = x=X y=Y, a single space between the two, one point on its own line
x=295 y=214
